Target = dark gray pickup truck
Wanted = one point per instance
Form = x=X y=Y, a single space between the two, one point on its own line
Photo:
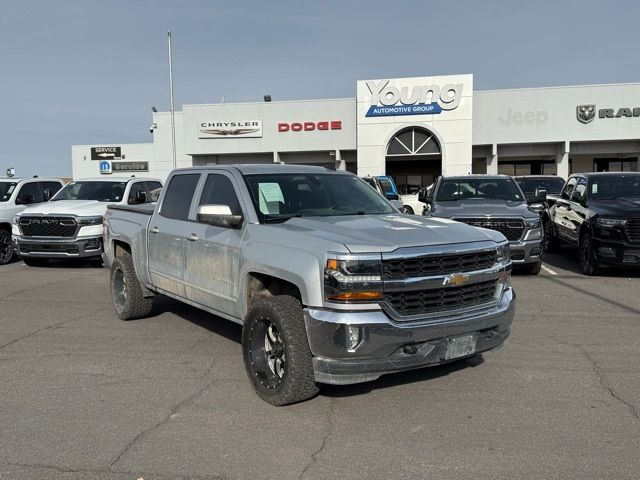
x=330 y=282
x=493 y=202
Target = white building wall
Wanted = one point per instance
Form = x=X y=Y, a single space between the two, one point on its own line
x=83 y=166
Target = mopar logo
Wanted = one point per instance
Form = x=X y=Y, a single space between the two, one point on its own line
x=420 y=100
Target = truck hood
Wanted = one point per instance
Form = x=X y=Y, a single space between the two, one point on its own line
x=481 y=208
x=617 y=207
x=385 y=233
x=81 y=208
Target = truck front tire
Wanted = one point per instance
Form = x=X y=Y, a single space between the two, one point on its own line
x=126 y=292
x=276 y=351
x=6 y=248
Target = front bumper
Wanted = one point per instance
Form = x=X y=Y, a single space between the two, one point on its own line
x=387 y=346
x=525 y=251
x=617 y=253
x=82 y=247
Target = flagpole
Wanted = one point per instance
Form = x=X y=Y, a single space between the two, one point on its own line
x=173 y=122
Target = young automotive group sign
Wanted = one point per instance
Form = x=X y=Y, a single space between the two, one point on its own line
x=387 y=100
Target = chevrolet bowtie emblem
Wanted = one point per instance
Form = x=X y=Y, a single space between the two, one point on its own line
x=455 y=280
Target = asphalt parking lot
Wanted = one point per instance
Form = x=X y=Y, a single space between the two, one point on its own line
x=84 y=395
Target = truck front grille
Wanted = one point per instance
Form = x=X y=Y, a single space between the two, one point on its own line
x=511 y=228
x=445 y=299
x=402 y=268
x=48 y=226
x=633 y=229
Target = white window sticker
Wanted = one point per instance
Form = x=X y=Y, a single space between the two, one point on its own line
x=594 y=188
x=270 y=196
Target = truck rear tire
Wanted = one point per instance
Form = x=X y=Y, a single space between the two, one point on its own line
x=127 y=296
x=6 y=248
x=35 y=261
x=276 y=351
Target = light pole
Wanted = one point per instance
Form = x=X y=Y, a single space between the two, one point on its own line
x=173 y=122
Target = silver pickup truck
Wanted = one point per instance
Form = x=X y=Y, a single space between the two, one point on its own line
x=330 y=283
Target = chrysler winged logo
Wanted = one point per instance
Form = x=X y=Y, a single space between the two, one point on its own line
x=455 y=280
x=231 y=131
x=585 y=113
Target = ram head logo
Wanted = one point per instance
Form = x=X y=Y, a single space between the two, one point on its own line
x=585 y=113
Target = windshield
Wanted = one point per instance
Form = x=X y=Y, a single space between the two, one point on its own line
x=608 y=187
x=100 y=191
x=282 y=196
x=6 y=189
x=551 y=185
x=478 y=189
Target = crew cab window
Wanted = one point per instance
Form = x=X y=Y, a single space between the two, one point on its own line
x=568 y=188
x=580 y=190
x=29 y=193
x=218 y=190
x=177 y=199
x=153 y=190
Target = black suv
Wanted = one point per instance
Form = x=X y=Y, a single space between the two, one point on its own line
x=600 y=213
x=541 y=191
x=490 y=201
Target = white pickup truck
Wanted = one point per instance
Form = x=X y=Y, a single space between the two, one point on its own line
x=16 y=194
x=70 y=225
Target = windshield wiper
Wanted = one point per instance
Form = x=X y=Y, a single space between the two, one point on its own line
x=280 y=218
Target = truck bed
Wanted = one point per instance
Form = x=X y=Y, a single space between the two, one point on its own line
x=145 y=208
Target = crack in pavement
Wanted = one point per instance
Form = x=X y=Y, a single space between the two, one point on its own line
x=50 y=327
x=325 y=439
x=164 y=420
x=601 y=377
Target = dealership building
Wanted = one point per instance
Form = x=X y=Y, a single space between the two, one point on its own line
x=413 y=129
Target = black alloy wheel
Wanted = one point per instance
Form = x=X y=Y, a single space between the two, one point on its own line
x=6 y=248
x=588 y=262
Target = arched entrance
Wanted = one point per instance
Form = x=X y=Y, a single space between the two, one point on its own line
x=413 y=159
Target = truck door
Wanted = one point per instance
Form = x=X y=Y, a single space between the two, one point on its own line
x=212 y=252
x=562 y=210
x=577 y=214
x=166 y=234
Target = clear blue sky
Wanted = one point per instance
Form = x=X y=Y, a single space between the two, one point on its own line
x=87 y=71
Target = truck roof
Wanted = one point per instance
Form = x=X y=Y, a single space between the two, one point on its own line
x=479 y=176
x=114 y=179
x=35 y=179
x=250 y=169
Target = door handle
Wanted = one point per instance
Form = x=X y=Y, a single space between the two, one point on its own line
x=192 y=237
x=154 y=230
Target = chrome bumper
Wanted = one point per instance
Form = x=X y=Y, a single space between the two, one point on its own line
x=387 y=346
x=58 y=248
x=525 y=251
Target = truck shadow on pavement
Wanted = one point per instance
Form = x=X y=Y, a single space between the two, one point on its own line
x=233 y=331
x=567 y=259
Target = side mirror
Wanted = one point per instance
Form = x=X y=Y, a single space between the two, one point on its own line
x=141 y=196
x=540 y=195
x=25 y=200
x=46 y=194
x=423 y=197
x=218 y=216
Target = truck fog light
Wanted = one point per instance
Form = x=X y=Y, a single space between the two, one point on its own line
x=607 y=252
x=353 y=337
x=535 y=252
x=92 y=244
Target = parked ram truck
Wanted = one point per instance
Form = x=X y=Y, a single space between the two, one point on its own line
x=16 y=194
x=70 y=224
x=330 y=283
x=386 y=187
x=600 y=214
x=494 y=202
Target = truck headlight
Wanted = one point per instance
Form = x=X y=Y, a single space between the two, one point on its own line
x=503 y=252
x=353 y=278
x=532 y=223
x=611 y=222
x=97 y=220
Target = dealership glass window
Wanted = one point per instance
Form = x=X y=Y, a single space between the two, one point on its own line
x=218 y=190
x=177 y=201
x=528 y=167
x=410 y=184
x=615 y=165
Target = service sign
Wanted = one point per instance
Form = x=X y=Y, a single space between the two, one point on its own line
x=106 y=153
x=130 y=166
x=230 y=129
